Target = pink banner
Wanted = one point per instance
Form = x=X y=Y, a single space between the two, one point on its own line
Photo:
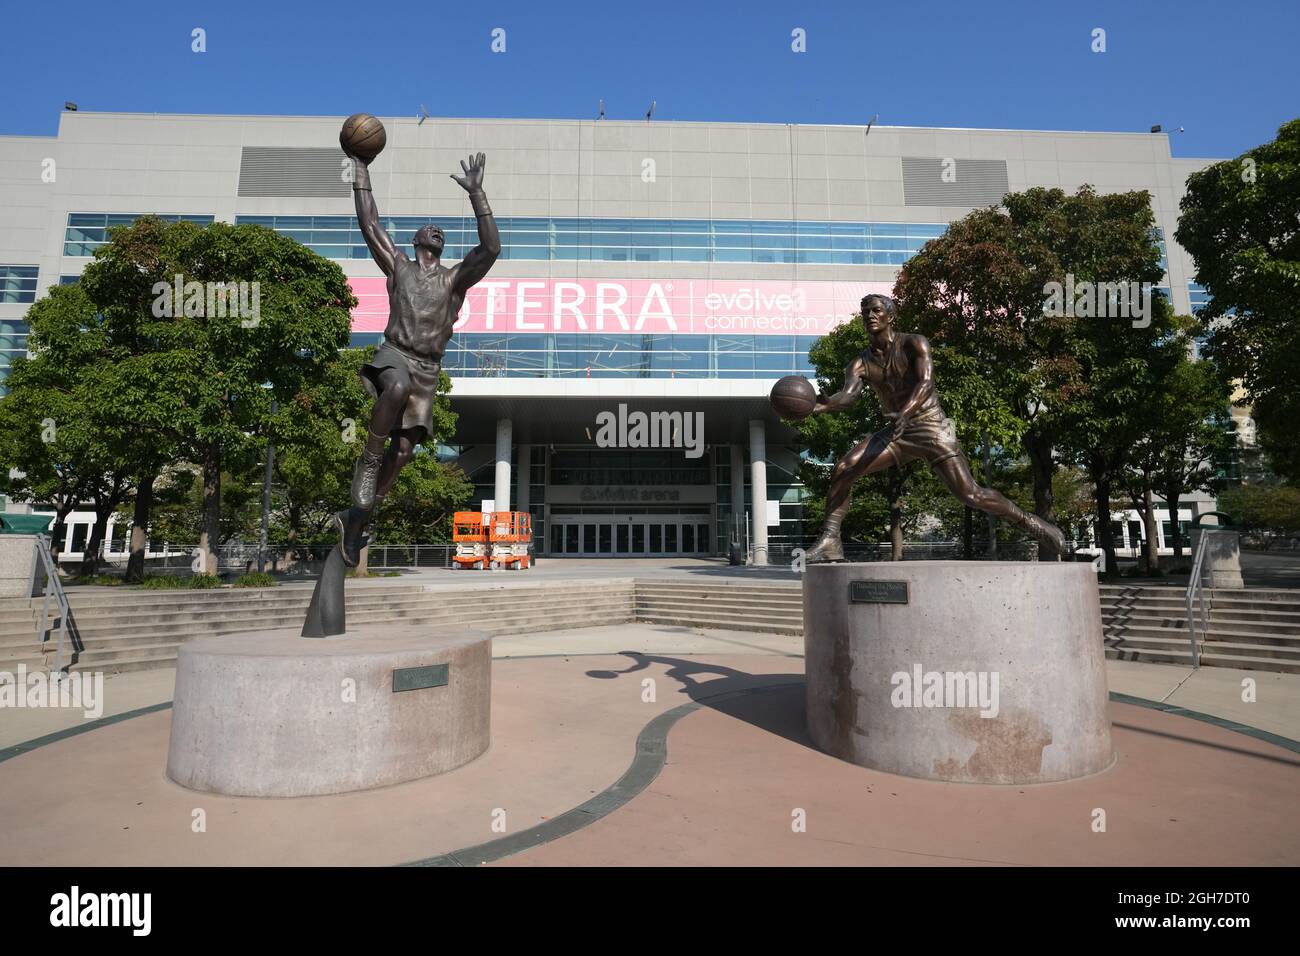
x=646 y=306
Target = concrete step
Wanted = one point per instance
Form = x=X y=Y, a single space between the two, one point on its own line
x=616 y=607
x=124 y=655
x=1226 y=624
x=1261 y=638
x=733 y=609
x=794 y=593
x=430 y=601
x=724 y=622
x=756 y=606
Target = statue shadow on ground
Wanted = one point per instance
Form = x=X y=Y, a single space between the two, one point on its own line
x=770 y=702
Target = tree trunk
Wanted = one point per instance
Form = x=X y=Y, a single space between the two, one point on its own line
x=1105 y=535
x=140 y=529
x=896 y=519
x=90 y=555
x=1043 y=468
x=1149 y=518
x=210 y=538
x=990 y=520
x=1172 y=496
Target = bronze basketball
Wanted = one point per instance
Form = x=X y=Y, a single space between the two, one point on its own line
x=363 y=136
x=793 y=397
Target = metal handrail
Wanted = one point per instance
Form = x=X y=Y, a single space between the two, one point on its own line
x=1196 y=591
x=53 y=589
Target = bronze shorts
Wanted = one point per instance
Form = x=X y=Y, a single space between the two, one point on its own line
x=929 y=436
x=422 y=375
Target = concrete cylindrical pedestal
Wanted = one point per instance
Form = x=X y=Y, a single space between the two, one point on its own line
x=969 y=671
x=21 y=574
x=272 y=714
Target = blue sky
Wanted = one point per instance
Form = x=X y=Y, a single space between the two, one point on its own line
x=1227 y=72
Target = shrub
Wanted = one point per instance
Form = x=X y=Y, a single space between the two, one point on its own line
x=163 y=582
x=200 y=581
x=255 y=579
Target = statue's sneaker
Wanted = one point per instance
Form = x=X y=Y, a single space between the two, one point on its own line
x=827 y=549
x=352 y=537
x=365 y=478
x=1047 y=533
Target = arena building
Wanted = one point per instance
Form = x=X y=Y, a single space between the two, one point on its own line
x=647 y=267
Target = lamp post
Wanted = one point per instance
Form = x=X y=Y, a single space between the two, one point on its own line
x=266 y=497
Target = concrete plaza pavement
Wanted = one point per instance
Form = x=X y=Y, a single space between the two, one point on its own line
x=720 y=763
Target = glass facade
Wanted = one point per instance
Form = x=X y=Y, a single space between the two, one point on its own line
x=630 y=240
x=87 y=231
x=597 y=355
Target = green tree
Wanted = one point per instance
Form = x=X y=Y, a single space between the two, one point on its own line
x=1270 y=511
x=420 y=507
x=58 y=424
x=1239 y=223
x=981 y=290
x=1186 y=441
x=195 y=366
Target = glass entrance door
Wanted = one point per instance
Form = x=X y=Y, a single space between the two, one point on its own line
x=629 y=535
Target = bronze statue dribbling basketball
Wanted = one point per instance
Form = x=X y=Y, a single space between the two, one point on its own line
x=897 y=366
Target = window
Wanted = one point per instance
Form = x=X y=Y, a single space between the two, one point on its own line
x=18 y=284
x=628 y=240
x=87 y=231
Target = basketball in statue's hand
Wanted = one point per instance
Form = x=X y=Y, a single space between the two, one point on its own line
x=363 y=136
x=794 y=397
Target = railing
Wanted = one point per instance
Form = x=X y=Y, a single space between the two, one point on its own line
x=53 y=590
x=1196 y=593
x=382 y=556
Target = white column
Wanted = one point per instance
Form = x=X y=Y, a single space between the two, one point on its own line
x=758 y=487
x=737 y=489
x=503 y=465
x=525 y=475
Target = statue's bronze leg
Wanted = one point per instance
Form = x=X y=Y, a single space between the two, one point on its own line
x=865 y=458
x=956 y=474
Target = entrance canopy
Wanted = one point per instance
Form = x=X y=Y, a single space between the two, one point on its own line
x=543 y=410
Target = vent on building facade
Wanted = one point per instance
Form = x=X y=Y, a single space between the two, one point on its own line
x=292 y=171
x=930 y=181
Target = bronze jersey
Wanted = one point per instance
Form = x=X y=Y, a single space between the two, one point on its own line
x=422 y=307
x=892 y=376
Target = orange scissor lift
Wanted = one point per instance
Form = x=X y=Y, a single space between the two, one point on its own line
x=511 y=535
x=470 y=533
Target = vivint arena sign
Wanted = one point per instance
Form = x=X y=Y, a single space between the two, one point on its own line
x=649 y=306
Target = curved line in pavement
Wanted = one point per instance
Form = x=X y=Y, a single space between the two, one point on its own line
x=647 y=762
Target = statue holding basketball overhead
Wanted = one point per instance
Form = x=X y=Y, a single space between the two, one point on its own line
x=424 y=299
x=898 y=368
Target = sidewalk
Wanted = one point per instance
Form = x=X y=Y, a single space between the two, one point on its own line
x=1210 y=690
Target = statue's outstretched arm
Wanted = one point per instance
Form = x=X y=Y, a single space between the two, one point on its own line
x=380 y=242
x=848 y=394
x=478 y=260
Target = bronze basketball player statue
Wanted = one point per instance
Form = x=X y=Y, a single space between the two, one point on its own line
x=898 y=368
x=424 y=299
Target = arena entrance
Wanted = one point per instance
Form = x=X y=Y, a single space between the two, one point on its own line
x=630 y=535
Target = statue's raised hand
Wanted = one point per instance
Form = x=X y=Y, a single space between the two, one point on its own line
x=472 y=181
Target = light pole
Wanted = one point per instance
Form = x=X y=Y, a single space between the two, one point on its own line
x=266 y=497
